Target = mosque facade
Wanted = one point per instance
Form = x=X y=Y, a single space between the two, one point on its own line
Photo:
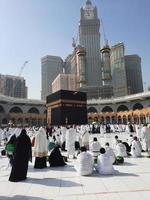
x=132 y=108
x=22 y=112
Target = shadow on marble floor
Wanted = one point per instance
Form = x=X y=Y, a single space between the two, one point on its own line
x=67 y=168
x=128 y=164
x=32 y=169
x=20 y=197
x=120 y=174
x=52 y=182
x=95 y=174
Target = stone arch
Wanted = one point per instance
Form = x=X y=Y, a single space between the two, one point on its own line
x=119 y=120
x=33 y=110
x=107 y=109
x=138 y=106
x=122 y=108
x=2 y=109
x=16 y=110
x=92 y=110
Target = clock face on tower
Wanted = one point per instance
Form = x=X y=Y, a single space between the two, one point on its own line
x=88 y=14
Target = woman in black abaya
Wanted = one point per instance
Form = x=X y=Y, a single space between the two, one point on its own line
x=55 y=158
x=22 y=155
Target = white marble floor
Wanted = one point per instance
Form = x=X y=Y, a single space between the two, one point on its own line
x=132 y=181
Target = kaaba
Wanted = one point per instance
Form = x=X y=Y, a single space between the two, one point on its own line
x=66 y=108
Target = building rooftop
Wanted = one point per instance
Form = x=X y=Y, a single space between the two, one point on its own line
x=128 y=98
x=21 y=101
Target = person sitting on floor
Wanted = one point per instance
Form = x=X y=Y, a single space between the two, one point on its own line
x=121 y=149
x=56 y=159
x=104 y=163
x=130 y=139
x=128 y=148
x=84 y=163
x=115 y=142
x=110 y=152
x=95 y=147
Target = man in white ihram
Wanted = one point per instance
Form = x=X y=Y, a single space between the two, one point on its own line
x=70 y=141
x=1 y=132
x=84 y=163
x=63 y=134
x=95 y=147
x=136 y=148
x=85 y=136
x=121 y=149
x=146 y=138
x=110 y=152
x=104 y=163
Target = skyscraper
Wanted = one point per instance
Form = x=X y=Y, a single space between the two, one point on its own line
x=89 y=38
x=67 y=64
x=118 y=72
x=51 y=67
x=13 y=86
x=134 y=74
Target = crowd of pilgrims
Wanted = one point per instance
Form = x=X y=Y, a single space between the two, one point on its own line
x=54 y=145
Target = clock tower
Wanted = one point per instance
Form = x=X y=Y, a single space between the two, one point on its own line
x=89 y=38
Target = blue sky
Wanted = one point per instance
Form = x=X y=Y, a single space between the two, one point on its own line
x=31 y=29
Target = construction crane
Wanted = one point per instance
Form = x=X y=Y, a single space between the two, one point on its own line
x=22 y=68
x=75 y=41
x=104 y=34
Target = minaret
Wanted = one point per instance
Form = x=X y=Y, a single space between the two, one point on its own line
x=81 y=55
x=106 y=69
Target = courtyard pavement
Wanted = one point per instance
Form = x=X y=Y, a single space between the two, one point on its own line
x=130 y=181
